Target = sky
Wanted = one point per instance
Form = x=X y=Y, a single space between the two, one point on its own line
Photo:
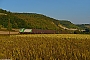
x=76 y=11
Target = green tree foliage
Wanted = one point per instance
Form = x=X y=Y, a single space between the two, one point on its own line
x=87 y=31
x=84 y=26
x=37 y=21
x=3 y=11
x=0 y=26
x=9 y=27
x=16 y=22
x=77 y=32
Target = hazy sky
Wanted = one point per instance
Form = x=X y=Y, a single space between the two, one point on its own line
x=76 y=11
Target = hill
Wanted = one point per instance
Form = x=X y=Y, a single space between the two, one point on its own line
x=15 y=22
x=83 y=26
x=35 y=21
x=68 y=24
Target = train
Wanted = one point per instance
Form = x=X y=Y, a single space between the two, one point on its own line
x=36 y=31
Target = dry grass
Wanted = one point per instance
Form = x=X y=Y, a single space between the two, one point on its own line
x=45 y=47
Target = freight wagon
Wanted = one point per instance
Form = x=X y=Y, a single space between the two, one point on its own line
x=36 y=31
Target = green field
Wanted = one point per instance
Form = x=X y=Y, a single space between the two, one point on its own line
x=45 y=47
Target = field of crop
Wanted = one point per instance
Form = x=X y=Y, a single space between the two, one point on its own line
x=45 y=47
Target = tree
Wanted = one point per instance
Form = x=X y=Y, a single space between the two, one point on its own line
x=87 y=30
x=9 y=27
x=0 y=26
x=77 y=32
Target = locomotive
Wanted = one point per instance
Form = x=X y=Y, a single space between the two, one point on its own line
x=36 y=31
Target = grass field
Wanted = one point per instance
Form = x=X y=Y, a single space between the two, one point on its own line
x=45 y=47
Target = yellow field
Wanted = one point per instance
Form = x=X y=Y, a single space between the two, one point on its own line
x=45 y=47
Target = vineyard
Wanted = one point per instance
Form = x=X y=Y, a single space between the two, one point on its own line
x=45 y=47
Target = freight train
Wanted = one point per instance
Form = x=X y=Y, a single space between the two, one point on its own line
x=36 y=31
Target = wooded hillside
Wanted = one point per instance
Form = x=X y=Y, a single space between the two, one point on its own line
x=34 y=21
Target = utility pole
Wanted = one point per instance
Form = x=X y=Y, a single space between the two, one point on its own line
x=9 y=26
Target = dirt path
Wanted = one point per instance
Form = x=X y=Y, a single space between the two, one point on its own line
x=6 y=32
